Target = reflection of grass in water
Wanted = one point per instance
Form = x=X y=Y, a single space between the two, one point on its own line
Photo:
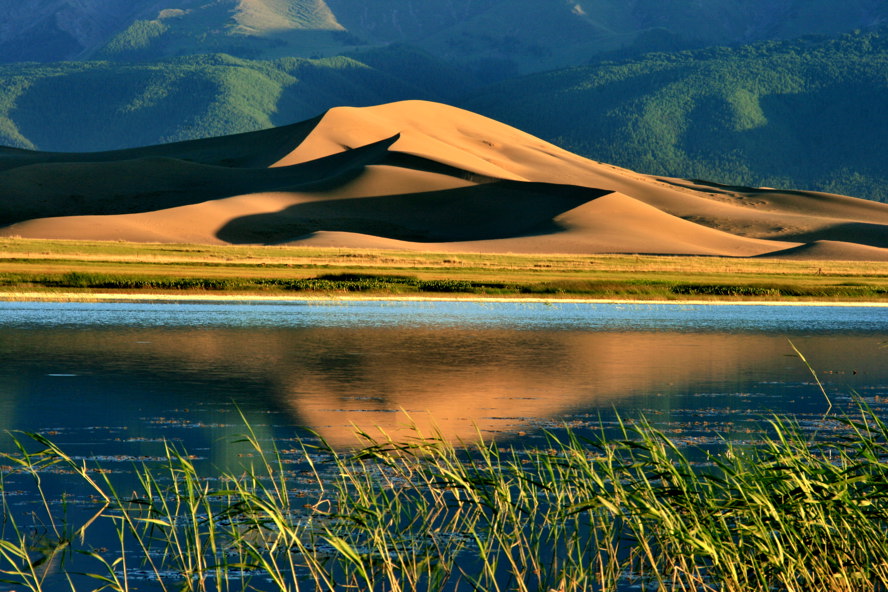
x=577 y=514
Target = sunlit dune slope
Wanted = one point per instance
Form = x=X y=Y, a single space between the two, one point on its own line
x=421 y=176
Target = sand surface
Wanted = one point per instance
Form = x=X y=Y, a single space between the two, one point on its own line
x=416 y=175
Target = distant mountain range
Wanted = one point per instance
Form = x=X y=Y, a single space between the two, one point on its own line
x=810 y=113
x=526 y=35
x=633 y=82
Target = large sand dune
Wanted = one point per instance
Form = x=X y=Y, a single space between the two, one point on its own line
x=416 y=175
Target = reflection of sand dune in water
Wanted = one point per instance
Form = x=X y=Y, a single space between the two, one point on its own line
x=496 y=387
x=458 y=380
x=416 y=175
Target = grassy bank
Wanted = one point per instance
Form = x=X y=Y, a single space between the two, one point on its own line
x=620 y=512
x=49 y=267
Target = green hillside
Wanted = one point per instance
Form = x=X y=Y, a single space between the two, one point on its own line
x=487 y=36
x=807 y=114
x=89 y=106
x=266 y=30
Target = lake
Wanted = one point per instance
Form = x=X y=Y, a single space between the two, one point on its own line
x=118 y=378
x=112 y=383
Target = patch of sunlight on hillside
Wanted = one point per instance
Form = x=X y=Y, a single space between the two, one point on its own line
x=746 y=111
x=261 y=17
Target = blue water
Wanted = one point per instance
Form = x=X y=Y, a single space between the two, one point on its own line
x=564 y=315
x=114 y=383
x=90 y=371
x=94 y=374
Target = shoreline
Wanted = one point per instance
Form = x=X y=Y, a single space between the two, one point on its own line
x=318 y=299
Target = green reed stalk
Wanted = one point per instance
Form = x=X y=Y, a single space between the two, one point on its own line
x=603 y=514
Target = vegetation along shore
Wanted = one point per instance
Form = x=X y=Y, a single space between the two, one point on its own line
x=78 y=269
x=627 y=509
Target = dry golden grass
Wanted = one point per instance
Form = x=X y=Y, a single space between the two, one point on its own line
x=28 y=265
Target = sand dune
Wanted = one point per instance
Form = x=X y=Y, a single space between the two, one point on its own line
x=832 y=250
x=419 y=176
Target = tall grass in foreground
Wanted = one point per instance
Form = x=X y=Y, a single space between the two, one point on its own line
x=612 y=513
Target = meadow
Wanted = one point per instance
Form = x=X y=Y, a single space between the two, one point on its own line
x=77 y=269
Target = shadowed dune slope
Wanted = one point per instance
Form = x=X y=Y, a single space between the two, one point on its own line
x=416 y=175
x=251 y=149
x=832 y=250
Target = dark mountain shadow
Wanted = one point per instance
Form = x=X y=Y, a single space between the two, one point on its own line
x=501 y=209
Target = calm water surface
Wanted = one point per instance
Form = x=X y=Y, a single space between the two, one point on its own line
x=118 y=378
x=112 y=382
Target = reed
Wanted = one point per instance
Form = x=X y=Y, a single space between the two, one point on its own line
x=620 y=511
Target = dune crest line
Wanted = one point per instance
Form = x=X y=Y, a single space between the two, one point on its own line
x=416 y=176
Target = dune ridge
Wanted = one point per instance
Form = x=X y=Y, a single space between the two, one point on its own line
x=416 y=175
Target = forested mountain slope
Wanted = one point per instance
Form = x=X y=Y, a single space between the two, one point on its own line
x=511 y=35
x=809 y=113
x=90 y=106
x=661 y=87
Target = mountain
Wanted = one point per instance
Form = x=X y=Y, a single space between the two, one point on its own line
x=806 y=113
x=80 y=106
x=55 y=30
x=724 y=90
x=415 y=175
x=509 y=36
